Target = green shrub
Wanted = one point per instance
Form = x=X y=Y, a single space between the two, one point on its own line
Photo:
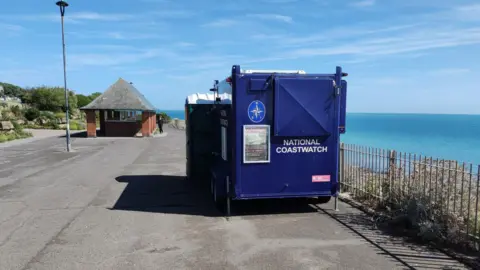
x=30 y=126
x=76 y=125
x=17 y=126
x=48 y=115
x=73 y=125
x=81 y=125
x=16 y=110
x=165 y=116
x=6 y=115
x=3 y=138
x=59 y=115
x=32 y=114
x=52 y=125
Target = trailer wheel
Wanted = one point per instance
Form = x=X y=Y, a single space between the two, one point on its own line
x=211 y=185
x=323 y=199
x=219 y=201
x=213 y=189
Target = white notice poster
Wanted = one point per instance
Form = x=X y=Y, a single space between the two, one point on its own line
x=256 y=143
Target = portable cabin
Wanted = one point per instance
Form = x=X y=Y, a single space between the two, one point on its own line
x=202 y=134
x=267 y=134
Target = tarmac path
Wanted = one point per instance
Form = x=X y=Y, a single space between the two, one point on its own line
x=124 y=204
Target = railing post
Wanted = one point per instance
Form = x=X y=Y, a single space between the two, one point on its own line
x=340 y=173
x=341 y=167
x=392 y=154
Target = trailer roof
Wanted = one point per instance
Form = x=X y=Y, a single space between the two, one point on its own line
x=208 y=98
x=251 y=71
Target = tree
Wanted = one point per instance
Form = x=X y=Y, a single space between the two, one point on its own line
x=166 y=118
x=83 y=100
x=12 y=90
x=94 y=95
x=32 y=114
x=52 y=99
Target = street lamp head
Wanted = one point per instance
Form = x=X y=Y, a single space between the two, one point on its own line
x=62 y=4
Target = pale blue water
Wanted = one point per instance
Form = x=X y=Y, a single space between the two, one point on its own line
x=440 y=136
x=454 y=137
x=180 y=114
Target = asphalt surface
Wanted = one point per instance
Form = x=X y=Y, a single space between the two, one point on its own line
x=124 y=204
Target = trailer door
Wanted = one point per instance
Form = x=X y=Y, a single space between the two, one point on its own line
x=304 y=107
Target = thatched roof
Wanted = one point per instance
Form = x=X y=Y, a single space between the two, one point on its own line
x=120 y=96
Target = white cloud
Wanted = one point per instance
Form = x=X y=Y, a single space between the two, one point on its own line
x=94 y=16
x=11 y=30
x=279 y=1
x=76 y=17
x=275 y=17
x=173 y=14
x=364 y=3
x=449 y=71
x=408 y=42
x=108 y=47
x=467 y=13
x=333 y=35
x=226 y=22
x=263 y=37
x=11 y=27
x=130 y=36
x=469 y=8
x=184 y=44
x=365 y=42
x=114 y=35
x=114 y=59
x=145 y=71
x=221 y=23
x=157 y=1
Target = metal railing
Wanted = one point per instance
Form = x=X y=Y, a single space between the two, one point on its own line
x=440 y=195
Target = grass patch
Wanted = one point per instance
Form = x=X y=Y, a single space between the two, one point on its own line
x=6 y=136
x=74 y=125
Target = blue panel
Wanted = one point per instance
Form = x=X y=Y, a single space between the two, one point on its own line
x=312 y=114
x=303 y=106
x=343 y=108
x=258 y=85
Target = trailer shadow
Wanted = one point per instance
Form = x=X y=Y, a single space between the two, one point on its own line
x=177 y=195
x=75 y=134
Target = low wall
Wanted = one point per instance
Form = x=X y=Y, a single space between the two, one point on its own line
x=122 y=129
x=177 y=124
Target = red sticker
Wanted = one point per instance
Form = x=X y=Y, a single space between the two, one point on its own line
x=320 y=178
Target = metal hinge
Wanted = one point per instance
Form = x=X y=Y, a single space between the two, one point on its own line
x=337 y=89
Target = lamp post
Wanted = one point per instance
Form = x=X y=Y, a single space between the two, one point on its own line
x=63 y=5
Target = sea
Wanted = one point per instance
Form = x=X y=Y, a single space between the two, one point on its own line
x=453 y=137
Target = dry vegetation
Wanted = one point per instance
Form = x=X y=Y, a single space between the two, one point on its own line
x=435 y=199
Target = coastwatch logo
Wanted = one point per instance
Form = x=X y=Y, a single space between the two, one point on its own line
x=256 y=111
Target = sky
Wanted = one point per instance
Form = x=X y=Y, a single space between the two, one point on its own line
x=402 y=56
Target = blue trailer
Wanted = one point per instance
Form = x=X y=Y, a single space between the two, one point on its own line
x=267 y=134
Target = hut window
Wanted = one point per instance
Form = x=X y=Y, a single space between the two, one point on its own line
x=124 y=116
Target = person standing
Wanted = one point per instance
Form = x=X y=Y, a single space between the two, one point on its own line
x=160 y=123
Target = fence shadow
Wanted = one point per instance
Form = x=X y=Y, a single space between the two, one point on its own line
x=177 y=195
x=389 y=242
